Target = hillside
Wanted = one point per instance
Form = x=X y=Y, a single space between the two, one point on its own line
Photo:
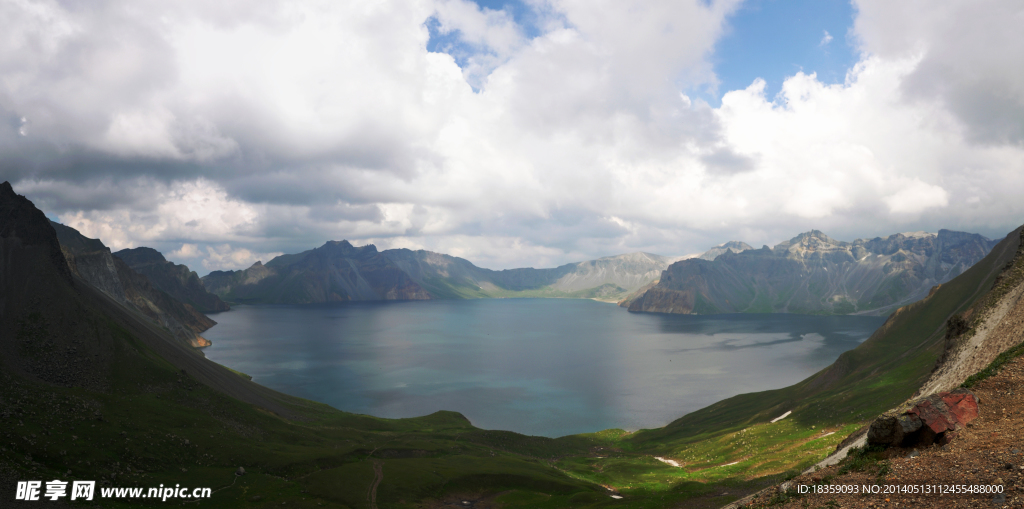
x=175 y=280
x=813 y=273
x=92 y=261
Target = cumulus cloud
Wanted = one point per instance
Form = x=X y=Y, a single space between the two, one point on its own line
x=225 y=257
x=972 y=74
x=825 y=39
x=224 y=133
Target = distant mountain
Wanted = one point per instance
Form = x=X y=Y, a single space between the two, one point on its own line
x=336 y=271
x=92 y=261
x=177 y=280
x=813 y=273
x=728 y=247
x=609 y=278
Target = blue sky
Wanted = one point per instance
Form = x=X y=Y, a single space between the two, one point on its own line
x=774 y=39
x=768 y=39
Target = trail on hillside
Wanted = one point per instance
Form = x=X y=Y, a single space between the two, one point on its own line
x=378 y=476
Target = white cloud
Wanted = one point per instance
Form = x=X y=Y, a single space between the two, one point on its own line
x=186 y=251
x=225 y=257
x=825 y=39
x=915 y=197
x=220 y=133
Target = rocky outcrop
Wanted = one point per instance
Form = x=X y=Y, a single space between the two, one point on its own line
x=813 y=273
x=334 y=272
x=926 y=421
x=92 y=261
x=176 y=280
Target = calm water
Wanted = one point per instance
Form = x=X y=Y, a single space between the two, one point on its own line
x=547 y=367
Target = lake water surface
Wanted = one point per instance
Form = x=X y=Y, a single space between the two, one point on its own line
x=547 y=367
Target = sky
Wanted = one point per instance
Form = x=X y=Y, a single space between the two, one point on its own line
x=512 y=133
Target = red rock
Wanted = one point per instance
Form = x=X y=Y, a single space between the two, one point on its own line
x=962 y=404
x=947 y=411
x=928 y=420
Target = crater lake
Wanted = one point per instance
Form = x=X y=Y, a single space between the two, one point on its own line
x=549 y=367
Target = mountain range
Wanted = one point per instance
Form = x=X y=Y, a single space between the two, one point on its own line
x=339 y=271
x=815 y=274
x=91 y=388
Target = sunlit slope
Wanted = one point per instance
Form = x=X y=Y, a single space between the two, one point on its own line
x=880 y=373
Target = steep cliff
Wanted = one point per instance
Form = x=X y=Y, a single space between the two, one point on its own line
x=93 y=262
x=813 y=273
x=176 y=280
x=336 y=271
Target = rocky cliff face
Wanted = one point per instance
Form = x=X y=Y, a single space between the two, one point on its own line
x=334 y=272
x=93 y=262
x=176 y=280
x=813 y=273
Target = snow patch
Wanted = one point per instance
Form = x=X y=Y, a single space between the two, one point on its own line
x=674 y=463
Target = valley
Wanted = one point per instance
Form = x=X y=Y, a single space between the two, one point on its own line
x=97 y=384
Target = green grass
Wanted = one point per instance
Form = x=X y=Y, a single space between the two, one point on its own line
x=994 y=367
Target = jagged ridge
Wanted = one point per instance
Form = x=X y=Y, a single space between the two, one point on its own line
x=813 y=273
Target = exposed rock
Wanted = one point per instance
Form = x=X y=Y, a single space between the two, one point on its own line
x=813 y=273
x=240 y=471
x=927 y=420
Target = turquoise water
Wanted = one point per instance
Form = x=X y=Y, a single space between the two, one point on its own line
x=548 y=367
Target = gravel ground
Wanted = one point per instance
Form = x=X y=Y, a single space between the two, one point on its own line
x=987 y=453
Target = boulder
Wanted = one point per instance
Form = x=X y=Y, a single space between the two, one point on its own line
x=926 y=421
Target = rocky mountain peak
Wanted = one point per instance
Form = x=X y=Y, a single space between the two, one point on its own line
x=140 y=256
x=733 y=246
x=20 y=219
x=813 y=237
x=812 y=241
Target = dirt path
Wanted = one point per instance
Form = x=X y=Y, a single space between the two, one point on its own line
x=378 y=476
x=1003 y=328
